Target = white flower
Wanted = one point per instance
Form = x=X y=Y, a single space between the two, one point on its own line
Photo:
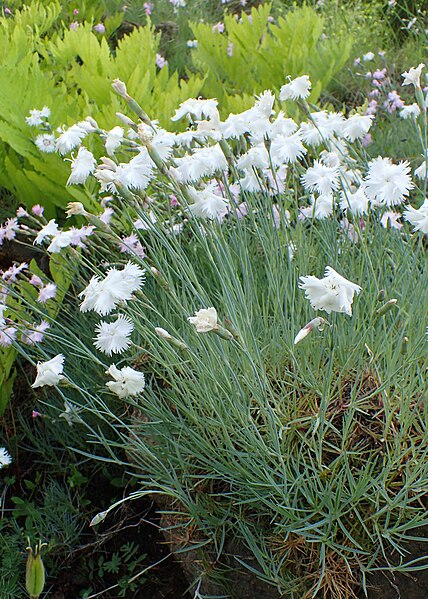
x=390 y=220
x=321 y=207
x=410 y=112
x=46 y=293
x=356 y=201
x=320 y=178
x=387 y=183
x=113 y=337
x=205 y=320
x=282 y=126
x=5 y=457
x=357 y=126
x=285 y=149
x=418 y=218
x=81 y=166
x=413 y=76
x=298 y=88
x=71 y=413
x=36 y=116
x=368 y=57
x=62 y=240
x=207 y=204
x=70 y=139
x=323 y=127
x=102 y=296
x=45 y=143
x=50 y=372
x=333 y=293
x=256 y=157
x=137 y=172
x=127 y=381
x=113 y=140
x=197 y=108
x=47 y=231
x=317 y=322
x=204 y=162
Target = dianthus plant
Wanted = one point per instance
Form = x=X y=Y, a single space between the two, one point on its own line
x=245 y=329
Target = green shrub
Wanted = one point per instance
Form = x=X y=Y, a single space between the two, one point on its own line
x=63 y=70
x=253 y=54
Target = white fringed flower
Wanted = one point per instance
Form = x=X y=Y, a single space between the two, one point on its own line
x=320 y=178
x=81 y=167
x=333 y=293
x=113 y=140
x=114 y=337
x=207 y=204
x=197 y=108
x=36 y=116
x=357 y=126
x=286 y=149
x=356 y=202
x=321 y=207
x=70 y=139
x=137 y=172
x=205 y=320
x=204 y=162
x=46 y=143
x=127 y=381
x=297 y=89
x=418 y=218
x=48 y=230
x=50 y=372
x=387 y=183
x=102 y=296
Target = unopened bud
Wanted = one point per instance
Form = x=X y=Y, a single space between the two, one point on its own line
x=168 y=337
x=35 y=571
x=120 y=88
x=308 y=328
x=392 y=303
x=125 y=119
x=404 y=346
x=161 y=279
x=381 y=295
x=98 y=518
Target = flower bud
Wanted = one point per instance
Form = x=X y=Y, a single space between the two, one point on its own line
x=120 y=88
x=35 y=572
x=168 y=337
x=387 y=307
x=308 y=328
x=75 y=209
x=98 y=518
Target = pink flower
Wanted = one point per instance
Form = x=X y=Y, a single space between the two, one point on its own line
x=374 y=92
x=173 y=202
x=148 y=7
x=379 y=74
x=37 y=210
x=219 y=27
x=36 y=335
x=46 y=293
x=357 y=62
x=74 y=25
x=131 y=245
x=366 y=140
x=76 y=11
x=36 y=281
x=100 y=28
x=372 y=107
x=7 y=336
x=21 y=212
x=160 y=61
x=393 y=102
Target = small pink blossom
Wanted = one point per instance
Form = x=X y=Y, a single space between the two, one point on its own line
x=74 y=25
x=35 y=414
x=148 y=7
x=160 y=61
x=372 y=107
x=37 y=210
x=100 y=28
x=31 y=337
x=379 y=74
x=173 y=202
x=374 y=93
x=36 y=281
x=21 y=212
x=131 y=245
x=76 y=11
x=367 y=140
x=219 y=27
x=393 y=102
x=357 y=62
x=7 y=336
x=10 y=275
